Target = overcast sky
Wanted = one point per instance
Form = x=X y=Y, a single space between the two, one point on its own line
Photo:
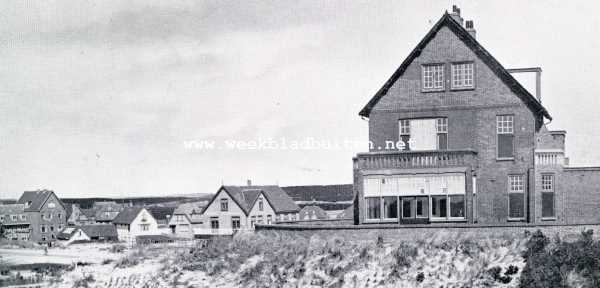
x=98 y=98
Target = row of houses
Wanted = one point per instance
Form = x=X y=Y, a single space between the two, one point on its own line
x=40 y=216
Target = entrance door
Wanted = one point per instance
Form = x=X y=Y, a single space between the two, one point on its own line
x=415 y=210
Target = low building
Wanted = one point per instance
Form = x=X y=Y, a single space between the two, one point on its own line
x=235 y=208
x=14 y=221
x=312 y=212
x=187 y=219
x=133 y=222
x=91 y=232
x=47 y=215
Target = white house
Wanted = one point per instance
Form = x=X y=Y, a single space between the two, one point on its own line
x=72 y=234
x=133 y=222
x=235 y=208
x=187 y=219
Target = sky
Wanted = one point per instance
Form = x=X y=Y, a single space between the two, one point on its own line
x=115 y=98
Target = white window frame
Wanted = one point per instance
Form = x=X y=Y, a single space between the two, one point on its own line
x=463 y=75
x=505 y=125
x=432 y=77
x=548 y=187
x=516 y=186
x=224 y=208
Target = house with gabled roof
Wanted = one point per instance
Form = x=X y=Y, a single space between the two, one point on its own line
x=235 y=208
x=47 y=215
x=454 y=137
x=187 y=219
x=135 y=221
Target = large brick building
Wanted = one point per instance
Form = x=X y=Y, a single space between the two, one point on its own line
x=454 y=137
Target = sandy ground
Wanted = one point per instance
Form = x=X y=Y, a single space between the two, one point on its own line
x=90 y=253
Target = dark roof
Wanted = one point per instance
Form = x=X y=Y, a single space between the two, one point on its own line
x=245 y=196
x=161 y=212
x=89 y=213
x=127 y=215
x=100 y=230
x=36 y=199
x=313 y=210
x=325 y=193
x=7 y=210
x=190 y=208
x=67 y=233
x=472 y=43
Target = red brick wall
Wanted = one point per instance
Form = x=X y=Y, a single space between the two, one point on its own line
x=581 y=188
x=471 y=119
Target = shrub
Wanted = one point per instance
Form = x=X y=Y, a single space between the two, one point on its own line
x=117 y=248
x=420 y=277
x=84 y=282
x=553 y=267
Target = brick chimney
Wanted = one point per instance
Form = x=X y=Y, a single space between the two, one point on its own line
x=470 y=28
x=456 y=15
x=249 y=182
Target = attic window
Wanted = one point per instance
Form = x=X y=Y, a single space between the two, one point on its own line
x=462 y=75
x=433 y=77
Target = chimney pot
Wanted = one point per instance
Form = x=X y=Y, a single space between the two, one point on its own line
x=456 y=15
x=470 y=28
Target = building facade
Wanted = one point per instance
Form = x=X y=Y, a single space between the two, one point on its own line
x=132 y=222
x=236 y=208
x=46 y=214
x=454 y=137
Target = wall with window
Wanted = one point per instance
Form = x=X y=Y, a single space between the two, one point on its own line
x=52 y=215
x=214 y=215
x=482 y=114
x=262 y=215
x=417 y=198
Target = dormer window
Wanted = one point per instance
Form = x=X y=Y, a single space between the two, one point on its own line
x=462 y=75
x=433 y=77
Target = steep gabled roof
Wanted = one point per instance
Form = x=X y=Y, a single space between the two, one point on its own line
x=245 y=196
x=128 y=215
x=34 y=200
x=471 y=42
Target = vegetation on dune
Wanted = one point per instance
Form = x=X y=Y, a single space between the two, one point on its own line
x=556 y=263
x=280 y=260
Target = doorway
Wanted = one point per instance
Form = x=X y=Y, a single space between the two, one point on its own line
x=414 y=210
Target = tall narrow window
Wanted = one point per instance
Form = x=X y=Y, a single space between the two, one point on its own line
x=390 y=207
x=422 y=205
x=214 y=224
x=505 y=132
x=260 y=205
x=457 y=206
x=224 y=205
x=548 y=196
x=439 y=206
x=235 y=223
x=433 y=77
x=516 y=197
x=405 y=133
x=373 y=208
x=442 y=133
x=462 y=75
